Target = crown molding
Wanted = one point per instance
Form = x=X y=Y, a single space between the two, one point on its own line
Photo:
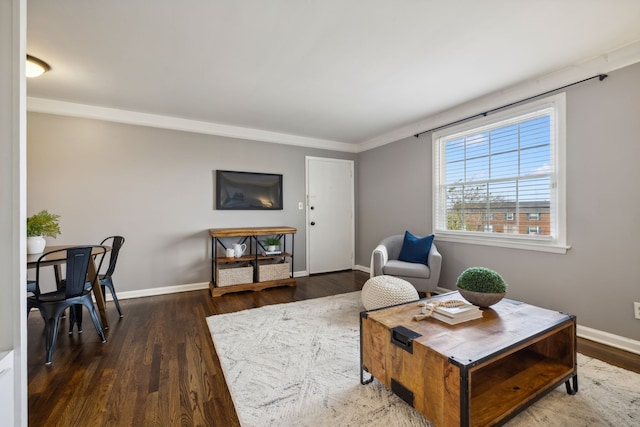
x=613 y=60
x=63 y=108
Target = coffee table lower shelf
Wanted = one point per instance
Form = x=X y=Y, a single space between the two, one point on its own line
x=509 y=385
x=478 y=373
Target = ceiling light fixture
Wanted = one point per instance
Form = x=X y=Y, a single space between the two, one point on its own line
x=36 y=67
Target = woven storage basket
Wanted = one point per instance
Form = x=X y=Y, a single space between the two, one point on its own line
x=274 y=271
x=228 y=276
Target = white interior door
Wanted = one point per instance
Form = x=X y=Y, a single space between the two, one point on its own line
x=330 y=215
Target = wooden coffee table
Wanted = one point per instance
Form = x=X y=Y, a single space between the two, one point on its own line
x=477 y=373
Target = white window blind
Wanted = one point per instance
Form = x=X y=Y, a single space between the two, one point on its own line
x=498 y=177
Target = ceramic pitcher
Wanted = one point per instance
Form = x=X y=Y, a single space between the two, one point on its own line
x=238 y=249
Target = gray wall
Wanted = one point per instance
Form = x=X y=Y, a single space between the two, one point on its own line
x=599 y=277
x=394 y=192
x=156 y=188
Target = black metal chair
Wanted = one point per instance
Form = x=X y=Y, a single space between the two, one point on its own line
x=53 y=304
x=106 y=279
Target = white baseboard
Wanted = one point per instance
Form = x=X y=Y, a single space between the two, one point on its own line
x=159 y=291
x=174 y=289
x=606 y=338
x=362 y=268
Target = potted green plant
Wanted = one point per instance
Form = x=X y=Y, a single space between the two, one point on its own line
x=481 y=286
x=272 y=243
x=38 y=226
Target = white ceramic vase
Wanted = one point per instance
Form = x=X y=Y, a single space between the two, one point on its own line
x=35 y=245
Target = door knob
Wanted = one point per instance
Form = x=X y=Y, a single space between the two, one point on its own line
x=313 y=223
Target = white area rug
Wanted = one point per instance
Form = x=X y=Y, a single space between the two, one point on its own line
x=298 y=364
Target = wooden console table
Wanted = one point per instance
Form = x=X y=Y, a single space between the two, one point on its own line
x=254 y=258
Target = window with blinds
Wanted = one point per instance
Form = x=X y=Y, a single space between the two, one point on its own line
x=500 y=180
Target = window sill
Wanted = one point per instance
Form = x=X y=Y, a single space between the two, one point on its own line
x=504 y=243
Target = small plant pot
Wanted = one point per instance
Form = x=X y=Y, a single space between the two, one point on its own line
x=272 y=248
x=481 y=299
x=35 y=245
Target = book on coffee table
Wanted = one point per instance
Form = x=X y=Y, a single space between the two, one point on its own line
x=455 y=315
x=457 y=319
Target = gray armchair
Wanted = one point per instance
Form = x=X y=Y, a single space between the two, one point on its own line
x=384 y=261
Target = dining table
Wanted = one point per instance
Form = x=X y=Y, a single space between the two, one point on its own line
x=58 y=258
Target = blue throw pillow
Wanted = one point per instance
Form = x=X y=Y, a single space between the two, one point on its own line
x=415 y=249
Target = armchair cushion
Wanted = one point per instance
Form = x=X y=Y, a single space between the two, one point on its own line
x=399 y=268
x=415 y=249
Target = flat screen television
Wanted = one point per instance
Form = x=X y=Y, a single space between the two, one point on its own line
x=248 y=190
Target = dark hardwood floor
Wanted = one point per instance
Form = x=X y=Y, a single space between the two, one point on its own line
x=159 y=366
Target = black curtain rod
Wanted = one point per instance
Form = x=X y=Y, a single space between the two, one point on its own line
x=600 y=77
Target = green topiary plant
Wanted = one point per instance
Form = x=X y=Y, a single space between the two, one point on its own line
x=43 y=224
x=481 y=279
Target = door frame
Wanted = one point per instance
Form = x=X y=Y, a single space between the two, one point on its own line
x=306 y=210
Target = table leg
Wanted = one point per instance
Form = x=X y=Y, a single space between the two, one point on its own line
x=572 y=390
x=58 y=273
x=97 y=291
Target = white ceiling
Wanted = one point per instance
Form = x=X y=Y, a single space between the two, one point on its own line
x=342 y=71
